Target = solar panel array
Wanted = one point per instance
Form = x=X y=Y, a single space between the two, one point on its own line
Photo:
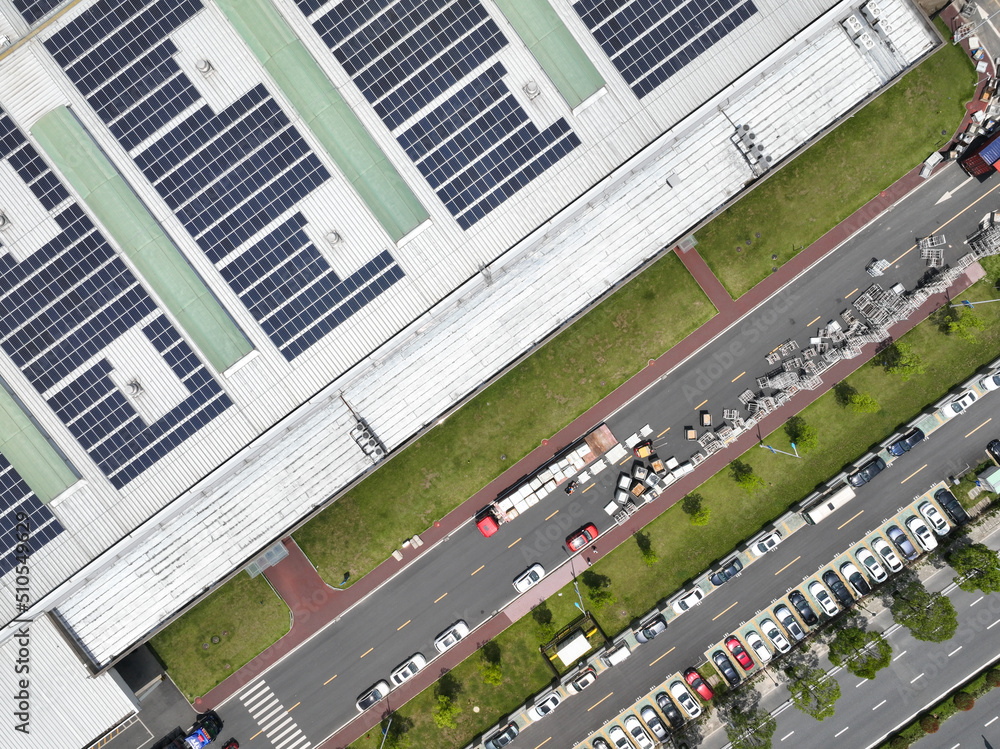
x=61 y=306
x=21 y=515
x=651 y=40
x=406 y=54
x=231 y=177
x=35 y=10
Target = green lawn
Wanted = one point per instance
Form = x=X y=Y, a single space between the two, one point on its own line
x=685 y=551
x=246 y=616
x=840 y=173
x=536 y=399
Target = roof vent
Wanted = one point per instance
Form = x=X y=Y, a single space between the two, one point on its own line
x=852 y=26
x=532 y=90
x=205 y=67
x=333 y=238
x=134 y=388
x=872 y=11
x=4 y=221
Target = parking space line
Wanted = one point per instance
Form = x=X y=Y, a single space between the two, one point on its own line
x=915 y=678
x=852 y=293
x=976 y=601
x=840 y=731
x=723 y=612
x=808 y=324
x=514 y=543
x=403 y=624
x=367 y=652
x=979 y=427
x=480 y=567
x=788 y=565
x=954 y=651
x=544 y=742
x=787 y=735
x=987 y=724
x=329 y=680
x=913 y=474
x=552 y=515
x=663 y=656
x=849 y=520
x=879 y=704
x=899 y=656
x=701 y=404
x=599 y=702
x=663 y=432
x=738 y=376
x=440 y=597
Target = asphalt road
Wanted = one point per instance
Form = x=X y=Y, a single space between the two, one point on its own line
x=977 y=729
x=470 y=577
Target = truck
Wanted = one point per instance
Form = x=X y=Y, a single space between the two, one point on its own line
x=489 y=519
x=203 y=733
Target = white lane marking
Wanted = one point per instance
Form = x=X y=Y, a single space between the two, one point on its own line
x=916 y=677
x=956 y=746
x=879 y=705
x=791 y=732
x=955 y=651
x=860 y=683
x=904 y=653
x=840 y=731
x=976 y=601
x=994 y=624
x=987 y=725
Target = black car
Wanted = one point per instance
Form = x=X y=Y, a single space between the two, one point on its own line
x=993 y=450
x=727 y=572
x=502 y=737
x=867 y=472
x=669 y=710
x=726 y=667
x=902 y=543
x=650 y=629
x=832 y=580
x=953 y=509
x=906 y=443
x=802 y=606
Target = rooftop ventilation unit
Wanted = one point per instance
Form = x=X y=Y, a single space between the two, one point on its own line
x=865 y=41
x=532 y=90
x=333 y=238
x=205 y=67
x=872 y=11
x=134 y=388
x=884 y=28
x=367 y=441
x=852 y=26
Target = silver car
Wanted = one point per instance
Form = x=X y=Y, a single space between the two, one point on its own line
x=652 y=720
x=885 y=551
x=788 y=621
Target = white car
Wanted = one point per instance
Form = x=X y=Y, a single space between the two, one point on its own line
x=791 y=625
x=545 y=706
x=871 y=565
x=817 y=591
x=617 y=735
x=373 y=695
x=680 y=693
x=450 y=637
x=765 y=544
x=584 y=680
x=885 y=551
x=958 y=405
x=408 y=669
x=690 y=600
x=924 y=537
x=639 y=735
x=934 y=518
x=772 y=633
x=529 y=578
x=990 y=382
x=757 y=646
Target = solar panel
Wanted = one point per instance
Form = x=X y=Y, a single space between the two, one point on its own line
x=66 y=302
x=404 y=55
x=35 y=10
x=231 y=176
x=21 y=515
x=650 y=40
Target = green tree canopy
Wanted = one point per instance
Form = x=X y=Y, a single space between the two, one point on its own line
x=901 y=359
x=930 y=616
x=804 y=435
x=813 y=692
x=862 y=403
x=747 y=726
x=445 y=712
x=966 y=326
x=978 y=567
x=744 y=476
x=862 y=653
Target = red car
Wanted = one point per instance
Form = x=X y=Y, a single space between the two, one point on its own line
x=694 y=680
x=582 y=537
x=734 y=646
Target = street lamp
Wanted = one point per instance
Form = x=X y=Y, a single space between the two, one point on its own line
x=970 y=305
x=775 y=451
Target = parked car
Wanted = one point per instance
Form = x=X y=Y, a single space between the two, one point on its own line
x=766 y=543
x=791 y=626
x=867 y=472
x=600 y=743
x=545 y=705
x=407 y=669
x=902 y=542
x=856 y=579
x=732 y=568
x=771 y=631
x=619 y=739
x=959 y=404
x=818 y=592
x=951 y=506
x=990 y=382
x=653 y=723
x=680 y=693
x=882 y=548
x=734 y=646
x=924 y=537
x=993 y=450
x=870 y=564
x=638 y=733
x=529 y=578
x=690 y=600
x=694 y=680
x=651 y=628
x=907 y=442
x=587 y=677
x=832 y=580
x=451 y=636
x=502 y=737
x=372 y=695
x=802 y=606
x=934 y=518
x=669 y=710
x=757 y=646
x=582 y=537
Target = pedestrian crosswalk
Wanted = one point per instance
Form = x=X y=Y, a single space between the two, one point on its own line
x=273 y=718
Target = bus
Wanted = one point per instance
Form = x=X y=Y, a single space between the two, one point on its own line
x=828 y=505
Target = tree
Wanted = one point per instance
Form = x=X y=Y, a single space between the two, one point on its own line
x=862 y=403
x=598 y=589
x=747 y=726
x=929 y=616
x=395 y=727
x=694 y=508
x=862 y=653
x=901 y=359
x=813 y=692
x=802 y=434
x=964 y=701
x=966 y=325
x=445 y=712
x=645 y=545
x=930 y=724
x=978 y=567
x=745 y=477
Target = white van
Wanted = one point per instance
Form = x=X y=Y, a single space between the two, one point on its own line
x=616 y=656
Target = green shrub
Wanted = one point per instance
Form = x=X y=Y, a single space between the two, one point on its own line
x=898 y=742
x=964 y=701
x=945 y=710
x=929 y=724
x=993 y=677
